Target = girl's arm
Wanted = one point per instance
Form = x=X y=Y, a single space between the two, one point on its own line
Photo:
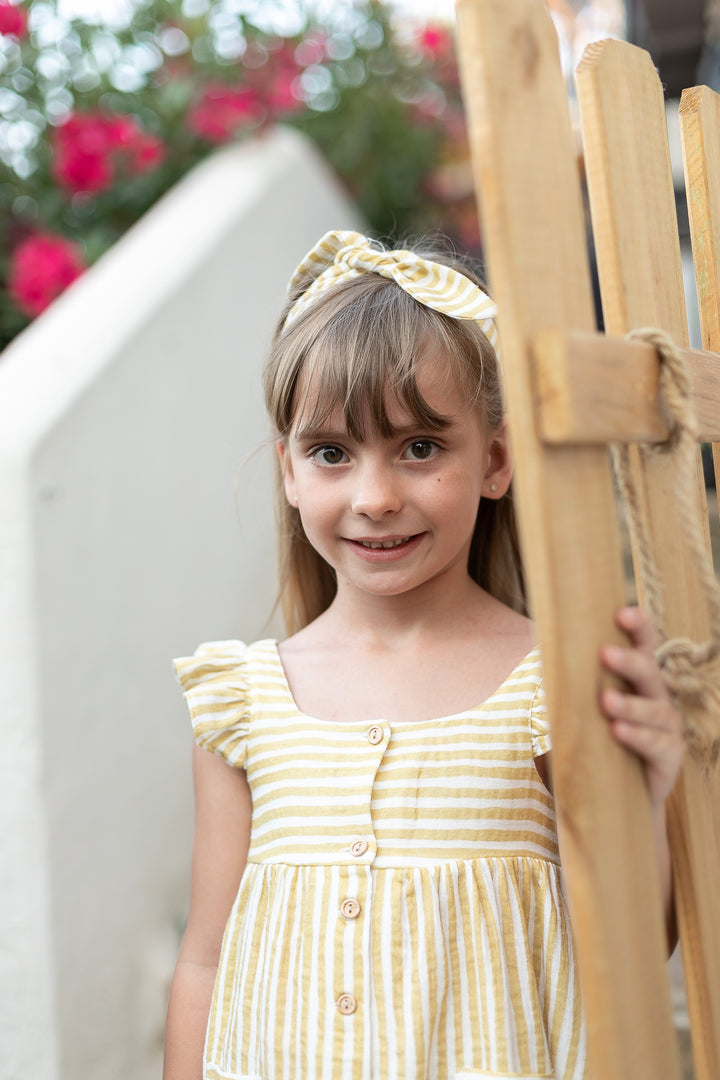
x=220 y=846
x=646 y=722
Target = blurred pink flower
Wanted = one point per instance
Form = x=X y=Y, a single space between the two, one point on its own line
x=80 y=154
x=145 y=153
x=278 y=88
x=281 y=93
x=436 y=41
x=13 y=19
x=89 y=150
x=222 y=110
x=41 y=267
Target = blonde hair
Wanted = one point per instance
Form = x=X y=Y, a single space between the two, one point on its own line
x=361 y=339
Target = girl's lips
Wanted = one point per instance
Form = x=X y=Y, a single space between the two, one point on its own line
x=398 y=549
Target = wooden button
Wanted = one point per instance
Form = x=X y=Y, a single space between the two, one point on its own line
x=347 y=1004
x=375 y=735
x=350 y=908
x=358 y=848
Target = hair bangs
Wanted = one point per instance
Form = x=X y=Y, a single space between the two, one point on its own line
x=368 y=341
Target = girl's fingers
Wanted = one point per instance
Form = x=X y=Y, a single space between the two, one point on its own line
x=653 y=731
x=637 y=624
x=644 y=720
x=654 y=745
x=660 y=751
x=651 y=713
x=636 y=667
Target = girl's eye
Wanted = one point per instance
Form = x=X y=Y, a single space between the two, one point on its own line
x=329 y=455
x=421 y=450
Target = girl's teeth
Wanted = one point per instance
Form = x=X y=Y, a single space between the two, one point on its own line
x=384 y=543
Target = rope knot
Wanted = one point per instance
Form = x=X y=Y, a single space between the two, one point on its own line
x=691 y=670
x=674 y=387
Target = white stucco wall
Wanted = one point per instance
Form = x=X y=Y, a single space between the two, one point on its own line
x=128 y=533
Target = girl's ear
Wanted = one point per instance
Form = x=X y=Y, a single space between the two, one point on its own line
x=499 y=469
x=286 y=469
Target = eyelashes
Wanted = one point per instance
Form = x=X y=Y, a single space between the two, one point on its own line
x=330 y=455
x=421 y=450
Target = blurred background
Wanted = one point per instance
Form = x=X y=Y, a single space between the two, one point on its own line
x=105 y=104
x=172 y=160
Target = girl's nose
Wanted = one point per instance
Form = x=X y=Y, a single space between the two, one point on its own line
x=376 y=492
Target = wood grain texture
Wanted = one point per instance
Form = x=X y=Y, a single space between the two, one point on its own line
x=534 y=232
x=698 y=819
x=638 y=252
x=700 y=134
x=596 y=389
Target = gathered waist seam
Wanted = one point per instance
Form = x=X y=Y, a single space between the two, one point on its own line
x=427 y=864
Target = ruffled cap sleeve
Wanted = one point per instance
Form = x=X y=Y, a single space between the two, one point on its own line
x=215 y=686
x=539 y=724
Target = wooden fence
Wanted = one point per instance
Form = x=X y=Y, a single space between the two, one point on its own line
x=570 y=392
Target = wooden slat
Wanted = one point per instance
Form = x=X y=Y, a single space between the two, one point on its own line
x=533 y=227
x=596 y=389
x=700 y=129
x=633 y=209
x=700 y=132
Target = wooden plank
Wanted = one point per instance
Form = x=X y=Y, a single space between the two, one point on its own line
x=527 y=181
x=596 y=389
x=700 y=132
x=633 y=209
x=700 y=129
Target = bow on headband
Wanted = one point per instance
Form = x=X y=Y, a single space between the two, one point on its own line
x=341 y=255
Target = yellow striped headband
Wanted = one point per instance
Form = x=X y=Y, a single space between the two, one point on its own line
x=341 y=255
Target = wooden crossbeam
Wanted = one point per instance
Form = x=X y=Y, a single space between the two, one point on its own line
x=596 y=389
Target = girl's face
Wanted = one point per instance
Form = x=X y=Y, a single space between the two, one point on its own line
x=391 y=514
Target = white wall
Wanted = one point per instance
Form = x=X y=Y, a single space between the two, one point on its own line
x=128 y=533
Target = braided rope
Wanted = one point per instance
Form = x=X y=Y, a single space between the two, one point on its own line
x=691 y=670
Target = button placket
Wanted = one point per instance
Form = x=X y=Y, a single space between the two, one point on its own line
x=375 y=735
x=350 y=908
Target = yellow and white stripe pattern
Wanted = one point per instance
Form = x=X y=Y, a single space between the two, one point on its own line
x=341 y=254
x=402 y=914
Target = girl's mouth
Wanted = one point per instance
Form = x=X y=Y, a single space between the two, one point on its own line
x=384 y=543
x=390 y=548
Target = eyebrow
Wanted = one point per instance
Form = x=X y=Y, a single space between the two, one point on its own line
x=309 y=432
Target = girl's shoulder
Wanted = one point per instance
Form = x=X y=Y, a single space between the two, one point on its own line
x=217 y=684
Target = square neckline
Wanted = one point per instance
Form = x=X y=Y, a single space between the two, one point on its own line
x=273 y=642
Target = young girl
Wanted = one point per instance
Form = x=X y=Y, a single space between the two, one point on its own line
x=381 y=853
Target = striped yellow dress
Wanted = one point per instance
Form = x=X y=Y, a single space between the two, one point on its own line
x=402 y=914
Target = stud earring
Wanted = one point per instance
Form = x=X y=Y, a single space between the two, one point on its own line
x=493 y=486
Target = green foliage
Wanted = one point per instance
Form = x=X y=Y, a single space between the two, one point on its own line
x=379 y=99
x=380 y=155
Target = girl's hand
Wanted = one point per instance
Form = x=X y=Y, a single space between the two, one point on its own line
x=643 y=719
